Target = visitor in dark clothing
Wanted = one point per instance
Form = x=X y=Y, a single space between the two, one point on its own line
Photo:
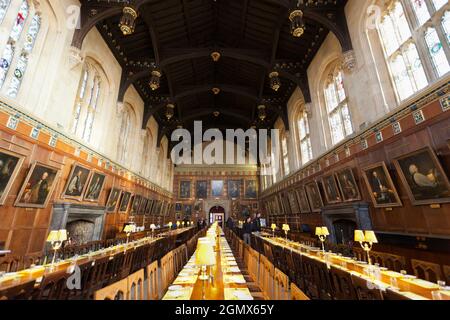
x=257 y=223
x=247 y=229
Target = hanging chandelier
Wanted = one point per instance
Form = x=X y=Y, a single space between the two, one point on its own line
x=155 y=80
x=262 y=112
x=275 y=82
x=215 y=56
x=170 y=111
x=128 y=21
x=297 y=24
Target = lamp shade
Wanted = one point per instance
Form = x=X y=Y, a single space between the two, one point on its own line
x=286 y=227
x=129 y=228
x=152 y=226
x=170 y=224
x=318 y=231
x=52 y=236
x=62 y=235
x=371 y=237
x=325 y=231
x=273 y=226
x=204 y=255
x=178 y=223
x=359 y=236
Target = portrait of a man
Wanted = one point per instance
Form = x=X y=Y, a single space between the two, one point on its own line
x=77 y=182
x=331 y=190
x=136 y=204
x=250 y=189
x=315 y=199
x=347 y=184
x=113 y=199
x=423 y=176
x=201 y=190
x=234 y=189
x=95 y=187
x=185 y=189
x=381 y=188
x=303 y=200
x=125 y=201
x=38 y=186
x=217 y=188
x=9 y=167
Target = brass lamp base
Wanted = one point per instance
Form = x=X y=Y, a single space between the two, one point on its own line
x=204 y=276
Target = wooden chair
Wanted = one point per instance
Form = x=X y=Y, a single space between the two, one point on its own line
x=266 y=276
x=427 y=270
x=298 y=277
x=10 y=263
x=297 y=294
x=280 y=286
x=310 y=286
x=391 y=294
x=127 y=262
x=152 y=281
x=166 y=271
x=136 y=285
x=115 y=291
x=342 y=285
x=98 y=276
x=21 y=292
x=53 y=287
x=366 y=290
x=322 y=279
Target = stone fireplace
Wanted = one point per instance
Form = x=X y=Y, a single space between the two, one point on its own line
x=84 y=223
x=341 y=220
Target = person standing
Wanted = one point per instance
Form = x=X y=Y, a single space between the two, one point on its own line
x=247 y=229
x=257 y=223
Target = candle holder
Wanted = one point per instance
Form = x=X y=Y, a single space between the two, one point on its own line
x=366 y=239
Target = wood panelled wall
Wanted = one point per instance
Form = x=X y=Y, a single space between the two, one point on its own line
x=408 y=219
x=24 y=230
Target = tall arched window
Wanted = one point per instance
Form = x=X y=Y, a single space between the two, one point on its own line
x=305 y=138
x=339 y=118
x=147 y=154
x=413 y=39
x=20 y=45
x=125 y=134
x=87 y=102
x=285 y=154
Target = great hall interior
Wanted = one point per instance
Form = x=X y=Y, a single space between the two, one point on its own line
x=95 y=204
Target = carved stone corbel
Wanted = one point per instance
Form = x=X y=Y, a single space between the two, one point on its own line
x=349 y=61
x=75 y=57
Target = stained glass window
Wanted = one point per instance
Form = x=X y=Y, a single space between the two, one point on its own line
x=80 y=99
x=446 y=25
x=4 y=5
x=338 y=113
x=421 y=11
x=23 y=59
x=284 y=149
x=437 y=53
x=8 y=53
x=91 y=110
x=125 y=130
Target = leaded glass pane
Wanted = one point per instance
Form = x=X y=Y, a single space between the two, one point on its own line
x=388 y=37
x=4 y=5
x=415 y=66
x=340 y=87
x=421 y=11
x=446 y=25
x=331 y=98
x=20 y=21
x=401 y=23
x=439 y=3
x=5 y=61
x=336 y=127
x=401 y=77
x=347 y=120
x=437 y=53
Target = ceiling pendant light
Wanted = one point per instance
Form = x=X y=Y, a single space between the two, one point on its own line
x=262 y=112
x=275 y=82
x=216 y=113
x=128 y=21
x=155 y=80
x=297 y=24
x=215 y=56
x=170 y=111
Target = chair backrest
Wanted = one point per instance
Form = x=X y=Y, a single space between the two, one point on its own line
x=268 y=251
x=366 y=290
x=135 y=285
x=19 y=292
x=280 y=286
x=11 y=263
x=115 y=291
x=167 y=270
x=322 y=279
x=342 y=284
x=153 y=291
x=127 y=262
x=297 y=294
x=99 y=274
x=53 y=286
x=391 y=294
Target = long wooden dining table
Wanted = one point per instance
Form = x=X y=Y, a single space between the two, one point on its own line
x=407 y=285
x=226 y=281
x=36 y=273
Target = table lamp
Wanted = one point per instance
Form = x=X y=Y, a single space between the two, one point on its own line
x=273 y=227
x=204 y=256
x=286 y=229
x=170 y=224
x=153 y=227
x=366 y=239
x=322 y=233
x=56 y=239
x=128 y=229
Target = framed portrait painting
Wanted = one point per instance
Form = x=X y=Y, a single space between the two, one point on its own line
x=234 y=189
x=178 y=207
x=331 y=190
x=381 y=187
x=293 y=202
x=216 y=188
x=143 y=205
x=315 y=199
x=201 y=189
x=10 y=164
x=136 y=203
x=251 y=189
x=347 y=185
x=113 y=200
x=187 y=210
x=125 y=201
x=77 y=182
x=38 y=186
x=423 y=177
x=303 y=200
x=148 y=207
x=95 y=187
x=185 y=189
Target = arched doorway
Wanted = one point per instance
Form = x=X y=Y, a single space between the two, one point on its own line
x=217 y=213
